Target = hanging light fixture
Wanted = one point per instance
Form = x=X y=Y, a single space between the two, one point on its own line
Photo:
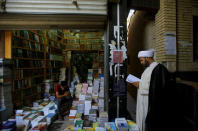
x=75 y=3
x=3 y=5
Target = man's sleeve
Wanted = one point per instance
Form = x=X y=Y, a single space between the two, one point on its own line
x=57 y=86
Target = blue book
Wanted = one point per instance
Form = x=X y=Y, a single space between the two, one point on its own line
x=51 y=115
x=8 y=125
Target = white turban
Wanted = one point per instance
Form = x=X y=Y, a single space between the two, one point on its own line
x=147 y=53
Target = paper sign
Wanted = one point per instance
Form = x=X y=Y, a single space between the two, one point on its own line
x=170 y=43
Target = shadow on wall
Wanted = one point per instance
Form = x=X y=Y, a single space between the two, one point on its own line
x=141 y=36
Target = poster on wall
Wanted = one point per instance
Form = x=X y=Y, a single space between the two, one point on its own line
x=170 y=43
x=117 y=56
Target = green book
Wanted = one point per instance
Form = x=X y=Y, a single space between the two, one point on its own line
x=79 y=123
x=95 y=124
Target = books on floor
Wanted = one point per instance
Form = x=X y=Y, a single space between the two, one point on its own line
x=121 y=124
x=72 y=114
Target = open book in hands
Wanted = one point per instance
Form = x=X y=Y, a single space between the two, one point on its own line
x=131 y=79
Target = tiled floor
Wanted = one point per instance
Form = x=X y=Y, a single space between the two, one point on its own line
x=60 y=125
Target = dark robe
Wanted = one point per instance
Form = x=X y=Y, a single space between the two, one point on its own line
x=159 y=110
x=170 y=106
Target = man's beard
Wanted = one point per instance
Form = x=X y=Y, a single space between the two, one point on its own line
x=146 y=64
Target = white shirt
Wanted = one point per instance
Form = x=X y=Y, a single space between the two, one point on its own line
x=142 y=97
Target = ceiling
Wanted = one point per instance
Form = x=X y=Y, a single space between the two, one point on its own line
x=53 y=14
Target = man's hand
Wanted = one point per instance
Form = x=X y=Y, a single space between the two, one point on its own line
x=67 y=93
x=136 y=84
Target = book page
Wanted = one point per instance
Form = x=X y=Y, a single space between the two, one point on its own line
x=131 y=79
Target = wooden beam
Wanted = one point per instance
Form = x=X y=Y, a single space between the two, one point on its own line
x=8 y=44
x=19 y=21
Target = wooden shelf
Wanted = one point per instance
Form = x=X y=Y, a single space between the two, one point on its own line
x=29 y=95
x=56 y=35
x=25 y=88
x=18 y=103
x=82 y=50
x=27 y=49
x=80 y=38
x=58 y=41
x=55 y=60
x=29 y=68
x=52 y=74
x=54 y=47
x=55 y=73
x=21 y=58
x=85 y=44
x=37 y=76
x=36 y=33
x=53 y=67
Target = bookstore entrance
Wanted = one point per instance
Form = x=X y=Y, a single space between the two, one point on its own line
x=53 y=55
x=36 y=61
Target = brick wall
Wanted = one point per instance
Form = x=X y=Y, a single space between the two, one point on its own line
x=175 y=16
x=185 y=11
x=160 y=31
x=165 y=22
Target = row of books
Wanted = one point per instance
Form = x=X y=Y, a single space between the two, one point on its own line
x=28 y=63
x=25 y=73
x=54 y=64
x=27 y=54
x=17 y=43
x=53 y=70
x=41 y=32
x=55 y=50
x=84 y=34
x=27 y=34
x=82 y=41
x=19 y=95
x=83 y=46
x=18 y=84
x=54 y=44
x=55 y=34
x=54 y=77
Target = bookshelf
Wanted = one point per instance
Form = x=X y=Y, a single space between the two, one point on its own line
x=83 y=41
x=101 y=60
x=86 y=42
x=29 y=65
x=54 y=50
x=38 y=55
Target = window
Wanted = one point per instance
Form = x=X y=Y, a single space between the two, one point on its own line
x=195 y=37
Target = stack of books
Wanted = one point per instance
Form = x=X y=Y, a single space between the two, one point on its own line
x=78 y=124
x=93 y=115
x=103 y=117
x=121 y=124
